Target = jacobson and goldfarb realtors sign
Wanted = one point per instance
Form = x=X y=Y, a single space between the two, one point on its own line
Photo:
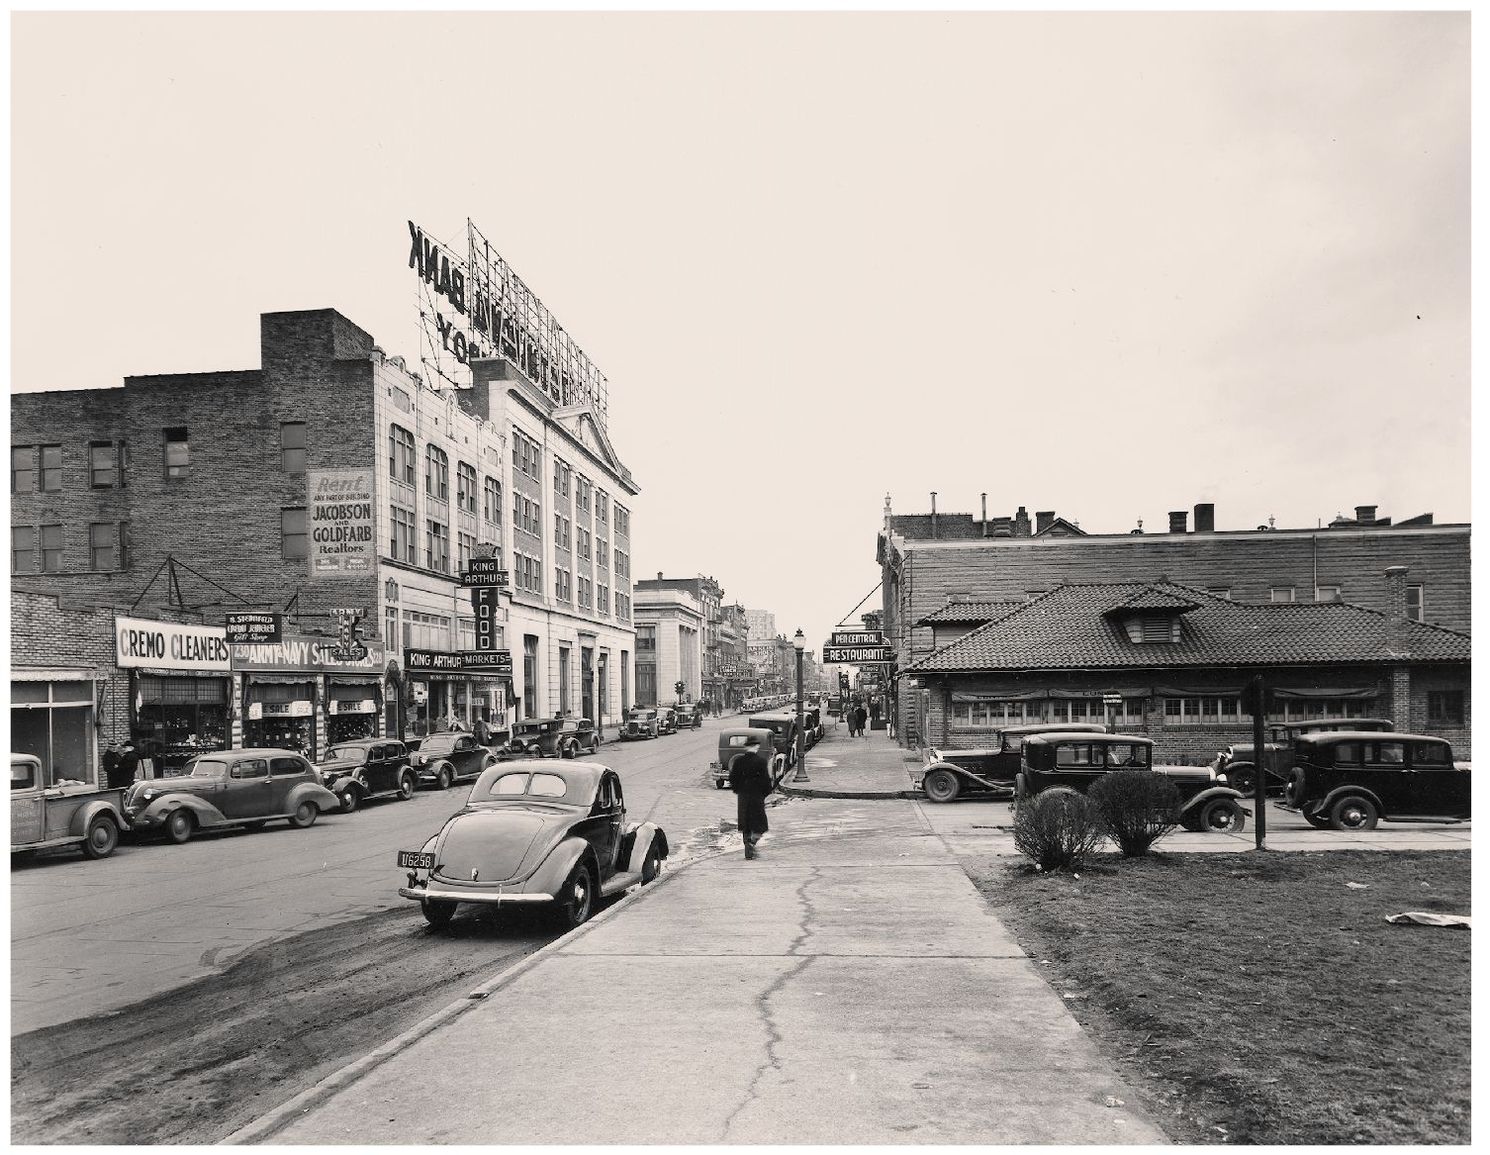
x=339 y=522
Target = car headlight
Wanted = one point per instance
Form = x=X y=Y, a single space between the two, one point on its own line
x=147 y=795
x=1221 y=778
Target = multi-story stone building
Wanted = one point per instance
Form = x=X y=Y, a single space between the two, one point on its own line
x=734 y=677
x=720 y=677
x=940 y=570
x=669 y=645
x=185 y=497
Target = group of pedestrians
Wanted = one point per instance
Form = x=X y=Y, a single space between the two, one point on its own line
x=858 y=718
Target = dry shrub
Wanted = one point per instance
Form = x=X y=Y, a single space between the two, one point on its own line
x=1135 y=808
x=1056 y=828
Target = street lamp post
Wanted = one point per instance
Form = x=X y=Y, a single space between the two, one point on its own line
x=800 y=643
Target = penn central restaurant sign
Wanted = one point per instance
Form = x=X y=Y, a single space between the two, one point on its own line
x=139 y=642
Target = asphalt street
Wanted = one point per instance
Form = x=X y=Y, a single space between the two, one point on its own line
x=90 y=937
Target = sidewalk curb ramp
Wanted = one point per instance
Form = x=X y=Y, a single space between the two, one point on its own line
x=278 y=1118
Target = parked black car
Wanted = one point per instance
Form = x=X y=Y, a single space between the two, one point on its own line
x=553 y=738
x=1207 y=803
x=667 y=720
x=1351 y=779
x=1239 y=760
x=367 y=768
x=446 y=758
x=950 y=774
x=639 y=722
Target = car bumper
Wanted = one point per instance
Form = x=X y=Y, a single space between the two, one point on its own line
x=481 y=898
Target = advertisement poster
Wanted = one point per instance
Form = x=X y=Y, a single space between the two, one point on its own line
x=339 y=516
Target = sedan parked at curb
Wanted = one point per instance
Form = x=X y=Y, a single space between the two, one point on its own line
x=229 y=788
x=367 y=768
x=553 y=738
x=444 y=759
x=950 y=774
x=1239 y=760
x=639 y=722
x=1349 y=780
x=535 y=833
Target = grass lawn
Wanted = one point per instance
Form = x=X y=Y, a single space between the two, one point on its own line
x=1260 y=998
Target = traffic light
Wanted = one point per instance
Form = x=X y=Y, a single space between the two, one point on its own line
x=678 y=688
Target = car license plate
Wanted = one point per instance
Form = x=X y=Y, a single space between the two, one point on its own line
x=418 y=859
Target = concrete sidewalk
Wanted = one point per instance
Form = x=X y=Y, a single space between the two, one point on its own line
x=850 y=986
x=843 y=767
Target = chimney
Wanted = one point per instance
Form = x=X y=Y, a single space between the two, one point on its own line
x=985 y=515
x=1044 y=519
x=1397 y=609
x=1177 y=519
x=1366 y=515
x=1205 y=518
x=1021 y=523
x=659 y=575
x=933 y=513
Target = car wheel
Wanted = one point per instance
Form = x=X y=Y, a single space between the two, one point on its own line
x=1318 y=821
x=406 y=786
x=942 y=786
x=1244 y=780
x=304 y=816
x=179 y=826
x=1296 y=791
x=1354 y=812
x=437 y=912
x=651 y=865
x=444 y=779
x=348 y=800
x=577 y=897
x=570 y=750
x=103 y=837
x=719 y=784
x=1222 y=816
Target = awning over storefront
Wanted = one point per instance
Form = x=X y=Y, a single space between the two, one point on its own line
x=1317 y=692
x=361 y=681
x=1120 y=691
x=964 y=698
x=1198 y=691
x=280 y=679
x=54 y=674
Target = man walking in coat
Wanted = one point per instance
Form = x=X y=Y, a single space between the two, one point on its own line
x=750 y=779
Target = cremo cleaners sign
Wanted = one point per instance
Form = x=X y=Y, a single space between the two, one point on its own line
x=169 y=646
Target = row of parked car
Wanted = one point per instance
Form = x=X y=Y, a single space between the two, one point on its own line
x=1338 y=773
x=654 y=721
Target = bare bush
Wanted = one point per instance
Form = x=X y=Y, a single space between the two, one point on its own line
x=1056 y=828
x=1135 y=808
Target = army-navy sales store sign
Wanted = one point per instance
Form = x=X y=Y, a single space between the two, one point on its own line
x=339 y=517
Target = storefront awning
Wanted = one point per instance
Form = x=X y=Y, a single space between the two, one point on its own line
x=53 y=674
x=354 y=679
x=280 y=679
x=1317 y=692
x=161 y=672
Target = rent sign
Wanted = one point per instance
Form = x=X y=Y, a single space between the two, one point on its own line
x=339 y=522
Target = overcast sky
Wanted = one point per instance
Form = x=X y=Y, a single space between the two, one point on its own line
x=1105 y=264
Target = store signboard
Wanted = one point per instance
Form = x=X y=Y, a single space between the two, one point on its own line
x=856 y=655
x=497 y=663
x=484 y=572
x=295 y=652
x=350 y=706
x=169 y=646
x=857 y=638
x=339 y=522
x=254 y=627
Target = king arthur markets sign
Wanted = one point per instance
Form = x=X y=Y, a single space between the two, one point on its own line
x=339 y=516
x=139 y=642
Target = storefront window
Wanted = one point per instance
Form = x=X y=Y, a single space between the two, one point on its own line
x=351 y=709
x=179 y=718
x=281 y=716
x=54 y=721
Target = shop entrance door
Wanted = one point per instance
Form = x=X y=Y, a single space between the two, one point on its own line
x=587 y=682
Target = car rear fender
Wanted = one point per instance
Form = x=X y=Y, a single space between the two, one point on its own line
x=638 y=840
x=205 y=813
x=554 y=869
x=85 y=814
x=1195 y=803
x=309 y=792
x=1339 y=792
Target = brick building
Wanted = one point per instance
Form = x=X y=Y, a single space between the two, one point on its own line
x=184 y=497
x=1178 y=657
x=935 y=566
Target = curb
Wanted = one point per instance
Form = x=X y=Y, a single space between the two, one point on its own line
x=874 y=795
x=278 y=1118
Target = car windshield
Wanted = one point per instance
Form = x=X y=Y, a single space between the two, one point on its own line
x=347 y=752
x=208 y=768
x=643 y=715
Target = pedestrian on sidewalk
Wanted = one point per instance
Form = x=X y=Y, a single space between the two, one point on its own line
x=750 y=779
x=861 y=716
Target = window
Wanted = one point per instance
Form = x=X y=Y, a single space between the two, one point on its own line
x=1382 y=753
x=436 y=547
x=602 y=508
x=602 y=553
x=1223 y=710
x=400 y=454
x=1415 y=603
x=561 y=478
x=1280 y=594
x=623 y=608
x=586 y=593
x=1308 y=709
x=426 y=631
x=530 y=676
x=292 y=446
x=564 y=680
x=1219 y=592
x=623 y=521
x=436 y=473
x=102 y=471
x=623 y=562
x=582 y=495
x=562 y=584
x=402 y=536
x=646 y=638
x=51 y=549
x=465 y=487
x=602 y=599
x=390 y=628
x=51 y=468
x=1430 y=754
x=561 y=531
x=22 y=549
x=1327 y=593
x=584 y=544
x=526 y=455
x=1446 y=706
x=465 y=628
x=101 y=552
x=178 y=454
x=23 y=469
x=124 y=545
x=292 y=544
x=465 y=547
x=493 y=507
x=525 y=514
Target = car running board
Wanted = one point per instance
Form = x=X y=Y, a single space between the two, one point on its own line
x=621 y=880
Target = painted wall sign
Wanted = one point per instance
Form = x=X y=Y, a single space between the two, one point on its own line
x=858 y=638
x=170 y=646
x=253 y=627
x=305 y=653
x=339 y=522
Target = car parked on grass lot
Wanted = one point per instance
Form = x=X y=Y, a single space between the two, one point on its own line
x=553 y=738
x=1239 y=760
x=447 y=758
x=367 y=768
x=950 y=774
x=1077 y=759
x=47 y=811
x=1348 y=780
x=229 y=788
x=535 y=833
x=639 y=722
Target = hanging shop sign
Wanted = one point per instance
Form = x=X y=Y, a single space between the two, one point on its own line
x=857 y=638
x=856 y=655
x=339 y=522
x=306 y=653
x=349 y=647
x=484 y=572
x=169 y=645
x=253 y=627
x=494 y=663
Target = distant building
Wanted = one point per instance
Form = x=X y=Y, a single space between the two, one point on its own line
x=670 y=631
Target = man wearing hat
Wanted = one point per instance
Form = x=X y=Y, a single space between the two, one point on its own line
x=750 y=779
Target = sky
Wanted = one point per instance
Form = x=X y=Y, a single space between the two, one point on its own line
x=1105 y=264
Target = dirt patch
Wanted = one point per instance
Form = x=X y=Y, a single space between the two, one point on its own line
x=196 y=1063
x=1263 y=999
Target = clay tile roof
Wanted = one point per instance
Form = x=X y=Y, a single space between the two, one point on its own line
x=975 y=613
x=1153 y=597
x=1069 y=629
